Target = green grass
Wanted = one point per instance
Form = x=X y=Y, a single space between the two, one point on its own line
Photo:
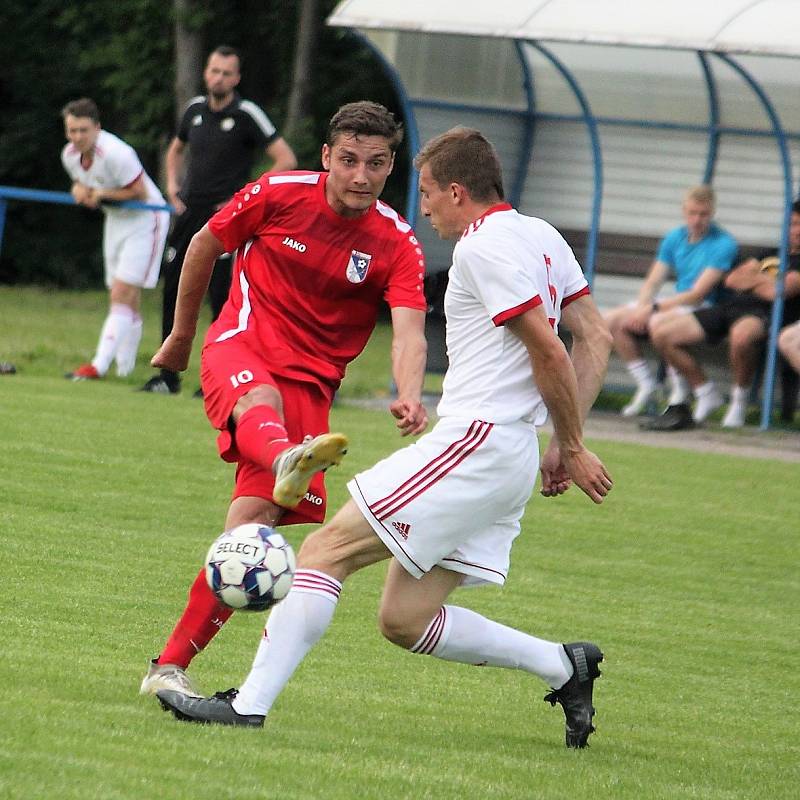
x=687 y=576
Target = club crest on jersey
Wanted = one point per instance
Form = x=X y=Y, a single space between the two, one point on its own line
x=358 y=266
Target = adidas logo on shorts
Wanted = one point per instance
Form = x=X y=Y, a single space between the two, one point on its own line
x=403 y=528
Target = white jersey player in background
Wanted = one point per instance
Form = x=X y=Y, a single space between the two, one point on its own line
x=447 y=508
x=103 y=168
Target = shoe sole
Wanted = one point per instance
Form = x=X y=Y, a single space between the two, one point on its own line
x=326 y=451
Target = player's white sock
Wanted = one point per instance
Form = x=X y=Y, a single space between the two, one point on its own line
x=458 y=634
x=129 y=347
x=679 y=387
x=294 y=626
x=115 y=329
x=640 y=371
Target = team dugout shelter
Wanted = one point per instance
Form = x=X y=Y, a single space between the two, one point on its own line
x=603 y=112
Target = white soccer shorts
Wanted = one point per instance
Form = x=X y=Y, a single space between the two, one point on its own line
x=454 y=498
x=133 y=245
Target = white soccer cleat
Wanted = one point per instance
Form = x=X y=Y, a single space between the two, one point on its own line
x=167 y=676
x=640 y=400
x=296 y=466
x=735 y=415
x=707 y=405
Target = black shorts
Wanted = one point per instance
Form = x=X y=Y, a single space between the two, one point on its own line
x=716 y=321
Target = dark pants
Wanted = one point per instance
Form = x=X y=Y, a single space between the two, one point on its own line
x=184 y=228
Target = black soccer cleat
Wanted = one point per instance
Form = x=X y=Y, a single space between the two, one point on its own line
x=216 y=710
x=575 y=696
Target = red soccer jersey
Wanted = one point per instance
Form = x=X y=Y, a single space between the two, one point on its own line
x=308 y=283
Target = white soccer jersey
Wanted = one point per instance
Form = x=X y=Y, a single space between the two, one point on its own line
x=504 y=264
x=115 y=165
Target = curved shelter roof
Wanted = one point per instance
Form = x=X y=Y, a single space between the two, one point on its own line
x=608 y=109
x=764 y=27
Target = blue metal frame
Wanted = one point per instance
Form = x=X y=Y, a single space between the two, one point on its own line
x=526 y=148
x=713 y=122
x=61 y=198
x=412 y=206
x=777 y=305
x=597 y=157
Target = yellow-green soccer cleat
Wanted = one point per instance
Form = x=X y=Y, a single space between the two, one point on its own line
x=296 y=466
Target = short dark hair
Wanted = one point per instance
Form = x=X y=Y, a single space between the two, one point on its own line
x=796 y=206
x=464 y=156
x=226 y=51
x=84 y=107
x=365 y=118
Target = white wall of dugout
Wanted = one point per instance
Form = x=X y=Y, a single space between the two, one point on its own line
x=646 y=169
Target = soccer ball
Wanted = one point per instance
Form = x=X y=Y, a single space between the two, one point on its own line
x=250 y=567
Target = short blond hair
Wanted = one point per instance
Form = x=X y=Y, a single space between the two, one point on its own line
x=702 y=193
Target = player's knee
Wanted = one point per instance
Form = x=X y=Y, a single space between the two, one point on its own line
x=397 y=629
x=261 y=395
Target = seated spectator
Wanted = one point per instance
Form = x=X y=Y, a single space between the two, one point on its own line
x=696 y=255
x=744 y=317
x=789 y=345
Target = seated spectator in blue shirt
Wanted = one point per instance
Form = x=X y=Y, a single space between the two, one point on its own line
x=744 y=317
x=697 y=255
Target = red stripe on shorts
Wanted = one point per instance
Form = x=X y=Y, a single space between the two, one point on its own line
x=433 y=472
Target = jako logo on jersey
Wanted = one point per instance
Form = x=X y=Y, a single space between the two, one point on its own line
x=294 y=244
x=403 y=528
x=313 y=499
x=358 y=266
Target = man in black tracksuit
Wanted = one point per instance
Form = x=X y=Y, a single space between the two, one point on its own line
x=225 y=134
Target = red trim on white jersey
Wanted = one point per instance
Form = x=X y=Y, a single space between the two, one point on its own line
x=476 y=223
x=580 y=293
x=128 y=186
x=433 y=633
x=504 y=316
x=433 y=471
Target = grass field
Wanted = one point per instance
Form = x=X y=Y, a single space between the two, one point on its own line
x=687 y=576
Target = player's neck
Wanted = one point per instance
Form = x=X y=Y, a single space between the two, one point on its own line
x=218 y=103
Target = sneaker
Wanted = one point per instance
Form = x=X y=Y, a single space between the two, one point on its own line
x=160 y=385
x=575 y=696
x=707 y=405
x=167 y=677
x=674 y=418
x=735 y=415
x=7 y=368
x=216 y=710
x=85 y=372
x=640 y=400
x=296 y=466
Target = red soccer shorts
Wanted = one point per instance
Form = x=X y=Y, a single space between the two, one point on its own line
x=229 y=370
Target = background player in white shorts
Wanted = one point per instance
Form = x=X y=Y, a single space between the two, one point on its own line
x=102 y=168
x=448 y=507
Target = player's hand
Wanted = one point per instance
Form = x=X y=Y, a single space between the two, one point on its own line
x=555 y=478
x=637 y=323
x=177 y=203
x=82 y=195
x=411 y=416
x=588 y=473
x=173 y=354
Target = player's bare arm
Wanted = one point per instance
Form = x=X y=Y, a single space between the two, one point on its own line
x=591 y=347
x=281 y=154
x=640 y=315
x=555 y=376
x=198 y=265
x=409 y=357
x=135 y=191
x=706 y=282
x=174 y=166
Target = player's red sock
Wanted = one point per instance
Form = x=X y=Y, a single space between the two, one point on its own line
x=261 y=435
x=200 y=622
